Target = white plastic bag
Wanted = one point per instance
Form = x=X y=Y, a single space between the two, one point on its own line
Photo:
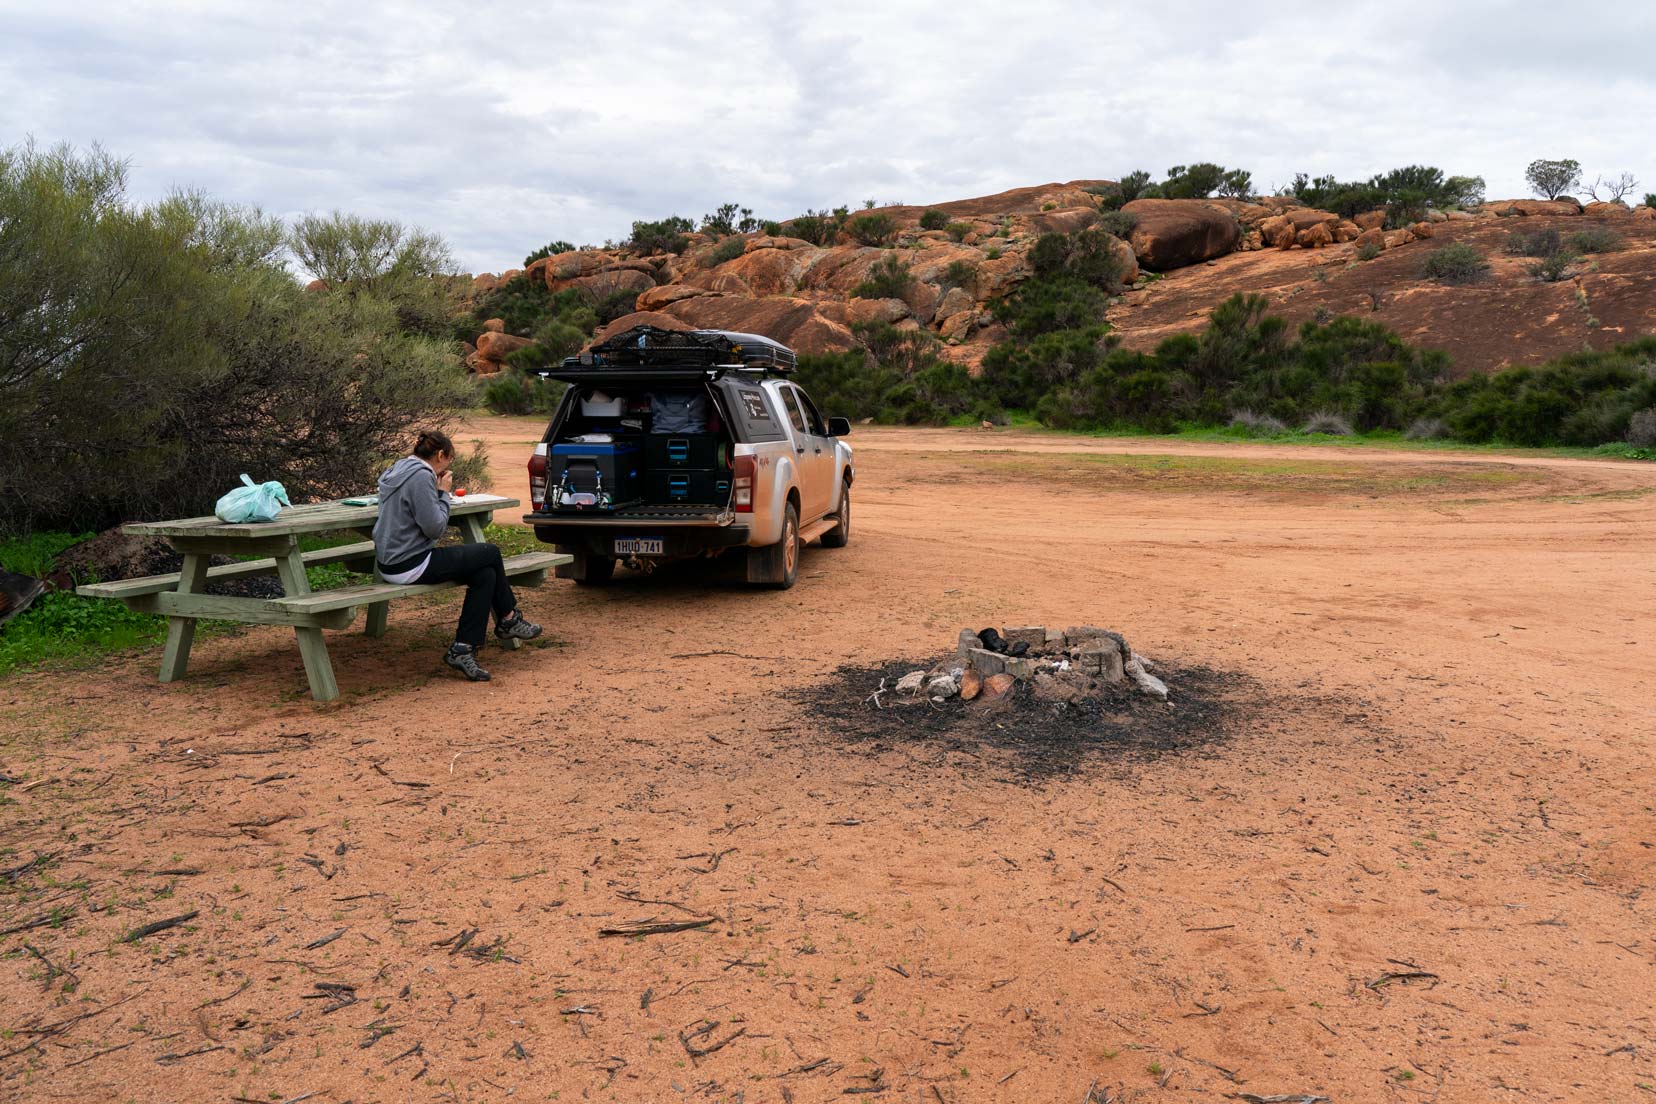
x=252 y=502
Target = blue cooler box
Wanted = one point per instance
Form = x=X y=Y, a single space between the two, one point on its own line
x=594 y=476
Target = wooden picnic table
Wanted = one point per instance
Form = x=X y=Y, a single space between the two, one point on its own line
x=180 y=598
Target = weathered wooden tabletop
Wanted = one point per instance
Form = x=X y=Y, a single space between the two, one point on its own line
x=312 y=518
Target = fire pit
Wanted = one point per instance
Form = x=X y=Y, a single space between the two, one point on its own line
x=1059 y=666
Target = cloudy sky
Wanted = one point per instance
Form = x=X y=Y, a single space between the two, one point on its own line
x=505 y=125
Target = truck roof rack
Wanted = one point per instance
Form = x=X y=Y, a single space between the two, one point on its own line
x=716 y=351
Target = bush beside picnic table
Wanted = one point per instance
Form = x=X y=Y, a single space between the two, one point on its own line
x=155 y=352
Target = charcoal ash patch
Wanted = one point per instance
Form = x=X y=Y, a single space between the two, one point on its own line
x=1038 y=740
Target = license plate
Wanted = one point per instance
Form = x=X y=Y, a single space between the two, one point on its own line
x=640 y=546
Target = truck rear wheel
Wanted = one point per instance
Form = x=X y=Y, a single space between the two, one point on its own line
x=777 y=565
x=840 y=535
x=588 y=569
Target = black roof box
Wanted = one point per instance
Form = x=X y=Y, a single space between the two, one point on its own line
x=652 y=346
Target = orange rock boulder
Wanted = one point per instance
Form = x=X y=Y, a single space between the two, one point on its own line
x=1173 y=233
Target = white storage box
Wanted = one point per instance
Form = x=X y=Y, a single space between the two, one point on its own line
x=600 y=405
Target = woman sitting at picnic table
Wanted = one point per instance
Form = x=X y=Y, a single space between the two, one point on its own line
x=414 y=498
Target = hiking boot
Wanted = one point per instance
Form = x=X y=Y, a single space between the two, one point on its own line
x=18 y=592
x=463 y=658
x=516 y=628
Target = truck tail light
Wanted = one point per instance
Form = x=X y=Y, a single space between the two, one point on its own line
x=537 y=477
x=741 y=486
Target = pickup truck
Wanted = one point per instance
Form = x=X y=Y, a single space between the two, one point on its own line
x=669 y=445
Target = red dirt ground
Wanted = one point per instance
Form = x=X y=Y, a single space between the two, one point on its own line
x=1451 y=774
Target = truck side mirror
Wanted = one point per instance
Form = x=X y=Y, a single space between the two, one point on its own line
x=839 y=427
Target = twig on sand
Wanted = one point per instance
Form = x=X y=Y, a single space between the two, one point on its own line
x=654 y=927
x=136 y=934
x=1400 y=975
x=702 y=1029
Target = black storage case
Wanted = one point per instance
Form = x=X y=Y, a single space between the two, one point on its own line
x=684 y=450
x=687 y=487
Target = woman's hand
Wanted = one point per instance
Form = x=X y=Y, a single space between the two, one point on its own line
x=445 y=481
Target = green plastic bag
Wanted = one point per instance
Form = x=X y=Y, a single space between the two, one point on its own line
x=252 y=502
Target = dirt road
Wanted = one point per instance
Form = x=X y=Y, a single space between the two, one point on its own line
x=1418 y=868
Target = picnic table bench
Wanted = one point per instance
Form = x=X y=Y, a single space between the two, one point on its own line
x=178 y=596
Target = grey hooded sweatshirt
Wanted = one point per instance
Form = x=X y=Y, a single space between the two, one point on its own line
x=412 y=512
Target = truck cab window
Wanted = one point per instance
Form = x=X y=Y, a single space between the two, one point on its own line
x=813 y=420
x=791 y=401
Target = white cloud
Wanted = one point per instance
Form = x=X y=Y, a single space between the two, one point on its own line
x=505 y=125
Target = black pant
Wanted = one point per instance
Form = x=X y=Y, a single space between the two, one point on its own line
x=480 y=568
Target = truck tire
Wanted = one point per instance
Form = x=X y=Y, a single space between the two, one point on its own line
x=840 y=535
x=777 y=565
x=588 y=569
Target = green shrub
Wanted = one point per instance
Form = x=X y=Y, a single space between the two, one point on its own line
x=1051 y=304
x=1117 y=223
x=515 y=391
x=662 y=236
x=771 y=228
x=1455 y=263
x=958 y=230
x=1596 y=239
x=551 y=249
x=151 y=354
x=993 y=253
x=1540 y=243
x=961 y=274
x=1650 y=199
x=1369 y=250
x=1553 y=267
x=888 y=278
x=819 y=227
x=727 y=250
x=933 y=219
x=471 y=468
x=897 y=376
x=876 y=229
x=1089 y=256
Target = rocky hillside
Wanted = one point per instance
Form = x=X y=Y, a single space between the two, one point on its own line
x=1179 y=259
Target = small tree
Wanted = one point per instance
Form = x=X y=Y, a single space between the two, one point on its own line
x=1650 y=199
x=1133 y=184
x=550 y=249
x=348 y=249
x=874 y=229
x=933 y=219
x=663 y=236
x=1614 y=190
x=1464 y=191
x=1196 y=181
x=1551 y=179
x=1236 y=184
x=729 y=219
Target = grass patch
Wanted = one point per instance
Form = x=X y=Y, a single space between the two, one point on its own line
x=59 y=627
x=62 y=629
x=1276 y=477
